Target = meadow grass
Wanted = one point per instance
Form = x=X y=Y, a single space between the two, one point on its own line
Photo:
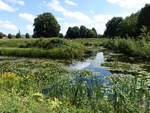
x=54 y=48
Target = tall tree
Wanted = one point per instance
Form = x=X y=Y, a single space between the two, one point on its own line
x=90 y=33
x=45 y=25
x=10 y=36
x=61 y=35
x=83 y=32
x=27 y=35
x=112 y=27
x=144 y=17
x=18 y=35
x=95 y=32
x=73 y=32
x=128 y=27
x=1 y=34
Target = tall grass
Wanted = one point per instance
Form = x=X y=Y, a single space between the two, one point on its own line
x=130 y=47
x=57 y=53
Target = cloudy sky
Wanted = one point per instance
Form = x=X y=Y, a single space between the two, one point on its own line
x=18 y=15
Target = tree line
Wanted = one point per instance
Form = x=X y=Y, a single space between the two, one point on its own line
x=132 y=26
x=18 y=35
x=46 y=25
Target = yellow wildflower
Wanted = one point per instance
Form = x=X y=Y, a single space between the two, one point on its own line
x=55 y=103
x=38 y=97
x=9 y=75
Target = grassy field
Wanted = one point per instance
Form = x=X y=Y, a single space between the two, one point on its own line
x=54 y=48
x=17 y=42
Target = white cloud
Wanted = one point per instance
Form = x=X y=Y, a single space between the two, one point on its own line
x=6 y=7
x=7 y=25
x=130 y=4
x=27 y=16
x=19 y=2
x=76 y=18
x=55 y=5
x=69 y=2
x=29 y=28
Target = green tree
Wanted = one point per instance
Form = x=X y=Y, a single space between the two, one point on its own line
x=95 y=32
x=90 y=33
x=83 y=32
x=61 y=35
x=18 y=35
x=73 y=32
x=45 y=25
x=10 y=36
x=113 y=27
x=128 y=27
x=27 y=35
x=144 y=17
x=1 y=35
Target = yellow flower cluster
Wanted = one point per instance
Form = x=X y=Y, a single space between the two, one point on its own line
x=55 y=103
x=38 y=97
x=9 y=75
x=33 y=75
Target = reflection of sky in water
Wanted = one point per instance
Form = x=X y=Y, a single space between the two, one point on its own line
x=94 y=62
x=93 y=65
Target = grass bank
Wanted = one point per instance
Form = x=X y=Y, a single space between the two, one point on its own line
x=54 y=48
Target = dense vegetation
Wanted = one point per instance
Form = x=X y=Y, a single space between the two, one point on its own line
x=130 y=47
x=130 y=26
x=36 y=85
x=54 y=48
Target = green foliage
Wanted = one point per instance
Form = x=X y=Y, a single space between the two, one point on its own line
x=1 y=34
x=130 y=47
x=27 y=35
x=128 y=27
x=113 y=27
x=144 y=16
x=145 y=34
x=45 y=25
x=95 y=32
x=61 y=35
x=44 y=86
x=73 y=32
x=91 y=34
x=18 y=35
x=10 y=36
x=81 y=32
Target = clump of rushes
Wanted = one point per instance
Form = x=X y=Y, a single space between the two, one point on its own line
x=130 y=47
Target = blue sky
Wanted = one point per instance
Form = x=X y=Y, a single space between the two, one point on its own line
x=18 y=15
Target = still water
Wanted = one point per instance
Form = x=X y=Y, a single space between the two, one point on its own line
x=92 y=64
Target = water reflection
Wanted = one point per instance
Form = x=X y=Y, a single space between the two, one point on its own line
x=93 y=64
